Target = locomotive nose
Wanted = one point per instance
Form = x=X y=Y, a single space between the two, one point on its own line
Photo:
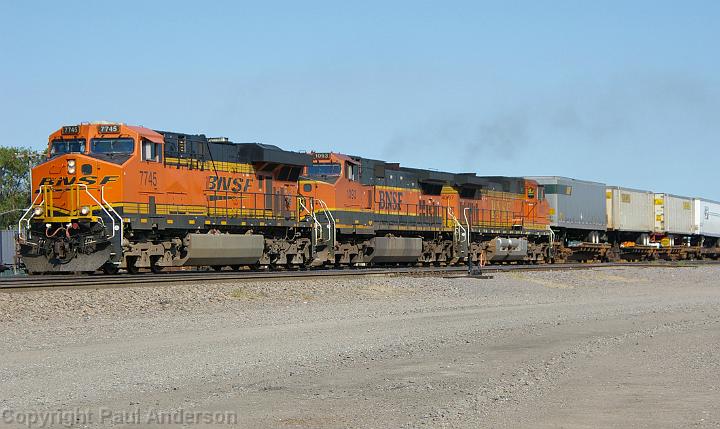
x=69 y=189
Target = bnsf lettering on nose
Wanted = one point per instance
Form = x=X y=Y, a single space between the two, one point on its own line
x=86 y=180
x=389 y=200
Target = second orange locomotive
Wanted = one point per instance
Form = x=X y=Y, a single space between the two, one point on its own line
x=382 y=212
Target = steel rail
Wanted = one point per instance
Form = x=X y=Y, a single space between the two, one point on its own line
x=122 y=280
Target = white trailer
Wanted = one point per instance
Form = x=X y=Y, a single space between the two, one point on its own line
x=707 y=218
x=630 y=211
x=674 y=215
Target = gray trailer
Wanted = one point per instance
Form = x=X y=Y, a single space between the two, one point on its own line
x=8 y=255
x=577 y=207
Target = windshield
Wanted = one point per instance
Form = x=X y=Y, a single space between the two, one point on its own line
x=323 y=170
x=113 y=145
x=67 y=146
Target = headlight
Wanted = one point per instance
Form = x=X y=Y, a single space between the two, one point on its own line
x=84 y=210
x=38 y=211
x=71 y=166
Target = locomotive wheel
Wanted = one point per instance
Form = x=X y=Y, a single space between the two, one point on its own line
x=235 y=267
x=109 y=268
x=217 y=267
x=131 y=268
x=154 y=267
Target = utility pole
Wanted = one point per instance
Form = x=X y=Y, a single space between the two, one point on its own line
x=30 y=177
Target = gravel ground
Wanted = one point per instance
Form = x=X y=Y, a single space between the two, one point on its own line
x=609 y=347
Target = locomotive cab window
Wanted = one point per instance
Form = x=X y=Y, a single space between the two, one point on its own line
x=60 y=147
x=151 y=151
x=113 y=146
x=319 y=170
x=351 y=171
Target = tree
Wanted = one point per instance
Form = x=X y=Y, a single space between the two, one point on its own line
x=15 y=163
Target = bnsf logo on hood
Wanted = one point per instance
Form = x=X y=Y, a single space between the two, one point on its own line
x=389 y=200
x=229 y=184
x=87 y=180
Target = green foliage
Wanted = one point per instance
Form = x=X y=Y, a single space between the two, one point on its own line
x=14 y=185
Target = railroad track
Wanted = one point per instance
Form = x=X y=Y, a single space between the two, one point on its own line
x=10 y=284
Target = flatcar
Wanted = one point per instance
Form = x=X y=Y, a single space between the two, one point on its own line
x=594 y=221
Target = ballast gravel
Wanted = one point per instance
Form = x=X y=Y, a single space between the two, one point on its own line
x=606 y=347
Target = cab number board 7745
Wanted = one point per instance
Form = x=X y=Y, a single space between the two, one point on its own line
x=108 y=128
x=70 y=129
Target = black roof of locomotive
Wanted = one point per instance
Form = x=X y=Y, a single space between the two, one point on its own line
x=515 y=185
x=267 y=153
x=463 y=180
x=378 y=167
x=430 y=176
x=224 y=150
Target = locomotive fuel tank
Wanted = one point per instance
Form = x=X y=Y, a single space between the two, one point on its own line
x=507 y=249
x=393 y=250
x=222 y=249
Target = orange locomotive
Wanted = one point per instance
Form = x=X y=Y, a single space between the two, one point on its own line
x=378 y=212
x=114 y=196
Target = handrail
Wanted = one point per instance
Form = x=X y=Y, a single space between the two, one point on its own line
x=460 y=229
x=458 y=225
x=316 y=223
x=32 y=206
x=331 y=221
x=112 y=209
x=467 y=223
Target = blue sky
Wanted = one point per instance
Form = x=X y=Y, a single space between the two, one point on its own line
x=627 y=93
